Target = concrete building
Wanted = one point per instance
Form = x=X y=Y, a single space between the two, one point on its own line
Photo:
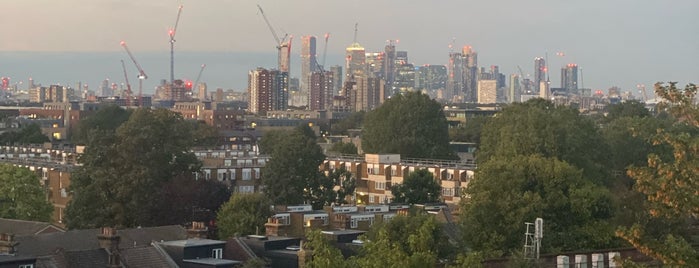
x=309 y=64
x=487 y=92
x=321 y=90
x=268 y=90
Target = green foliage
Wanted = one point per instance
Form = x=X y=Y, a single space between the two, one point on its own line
x=540 y=127
x=243 y=214
x=344 y=148
x=506 y=192
x=105 y=121
x=353 y=121
x=633 y=109
x=205 y=135
x=185 y=199
x=669 y=184
x=470 y=131
x=292 y=175
x=346 y=181
x=121 y=171
x=323 y=254
x=411 y=125
x=29 y=134
x=405 y=241
x=21 y=195
x=418 y=188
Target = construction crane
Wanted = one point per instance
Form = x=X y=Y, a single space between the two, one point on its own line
x=279 y=42
x=128 y=85
x=172 y=33
x=196 y=82
x=141 y=74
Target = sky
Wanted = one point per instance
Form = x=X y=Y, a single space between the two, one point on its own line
x=616 y=42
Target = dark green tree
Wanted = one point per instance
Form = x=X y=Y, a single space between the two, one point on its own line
x=243 y=214
x=292 y=175
x=469 y=131
x=21 y=195
x=344 y=148
x=323 y=253
x=353 y=121
x=418 y=187
x=507 y=192
x=540 y=127
x=346 y=181
x=103 y=122
x=120 y=173
x=411 y=125
x=669 y=184
x=627 y=109
x=28 y=134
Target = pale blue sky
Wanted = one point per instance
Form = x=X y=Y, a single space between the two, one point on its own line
x=616 y=42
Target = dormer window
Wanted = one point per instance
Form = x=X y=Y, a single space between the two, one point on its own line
x=217 y=253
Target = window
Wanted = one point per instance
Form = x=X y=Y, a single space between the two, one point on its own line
x=247 y=174
x=380 y=185
x=217 y=253
x=231 y=173
x=227 y=162
x=447 y=191
x=26 y=266
x=283 y=219
x=394 y=171
x=246 y=189
x=257 y=173
x=207 y=174
x=221 y=174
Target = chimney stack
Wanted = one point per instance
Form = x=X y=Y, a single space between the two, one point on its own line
x=7 y=243
x=198 y=231
x=109 y=241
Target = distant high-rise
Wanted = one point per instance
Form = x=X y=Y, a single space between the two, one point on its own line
x=267 y=90
x=470 y=74
x=405 y=77
x=375 y=64
x=308 y=62
x=455 y=80
x=515 y=91
x=569 y=78
x=285 y=57
x=431 y=78
x=487 y=91
x=202 y=91
x=337 y=79
x=355 y=61
x=321 y=92
x=105 y=90
x=539 y=72
x=366 y=94
x=389 y=67
x=30 y=83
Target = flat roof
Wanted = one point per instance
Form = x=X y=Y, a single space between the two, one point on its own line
x=212 y=261
x=193 y=242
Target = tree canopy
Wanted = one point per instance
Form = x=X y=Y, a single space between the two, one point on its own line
x=103 y=122
x=121 y=171
x=540 y=127
x=243 y=214
x=507 y=192
x=669 y=183
x=411 y=125
x=418 y=187
x=21 y=195
x=28 y=134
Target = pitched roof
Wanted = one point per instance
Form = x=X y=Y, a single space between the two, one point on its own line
x=144 y=256
x=21 y=227
x=79 y=240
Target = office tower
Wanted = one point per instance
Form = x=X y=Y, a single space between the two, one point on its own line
x=431 y=78
x=337 y=79
x=105 y=91
x=569 y=78
x=321 y=91
x=309 y=62
x=280 y=90
x=544 y=90
x=539 y=72
x=260 y=91
x=455 y=80
x=355 y=61
x=470 y=74
x=375 y=64
x=515 y=90
x=366 y=93
x=202 y=92
x=404 y=78
x=389 y=66
x=285 y=57
x=487 y=91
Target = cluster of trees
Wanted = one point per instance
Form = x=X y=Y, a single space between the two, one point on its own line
x=28 y=134
x=137 y=170
x=21 y=195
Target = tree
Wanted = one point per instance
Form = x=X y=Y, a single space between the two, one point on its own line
x=346 y=181
x=28 y=134
x=507 y=192
x=627 y=109
x=344 y=148
x=669 y=184
x=323 y=254
x=405 y=241
x=292 y=175
x=120 y=172
x=411 y=125
x=418 y=188
x=243 y=214
x=540 y=127
x=353 y=121
x=103 y=122
x=470 y=131
x=21 y=195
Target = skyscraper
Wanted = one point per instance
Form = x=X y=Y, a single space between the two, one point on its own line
x=455 y=79
x=389 y=66
x=321 y=92
x=308 y=62
x=267 y=90
x=285 y=57
x=337 y=79
x=470 y=74
x=569 y=78
x=487 y=91
x=539 y=72
x=355 y=61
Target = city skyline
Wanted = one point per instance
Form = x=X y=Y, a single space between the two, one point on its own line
x=623 y=43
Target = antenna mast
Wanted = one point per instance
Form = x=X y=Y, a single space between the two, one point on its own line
x=355 y=32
